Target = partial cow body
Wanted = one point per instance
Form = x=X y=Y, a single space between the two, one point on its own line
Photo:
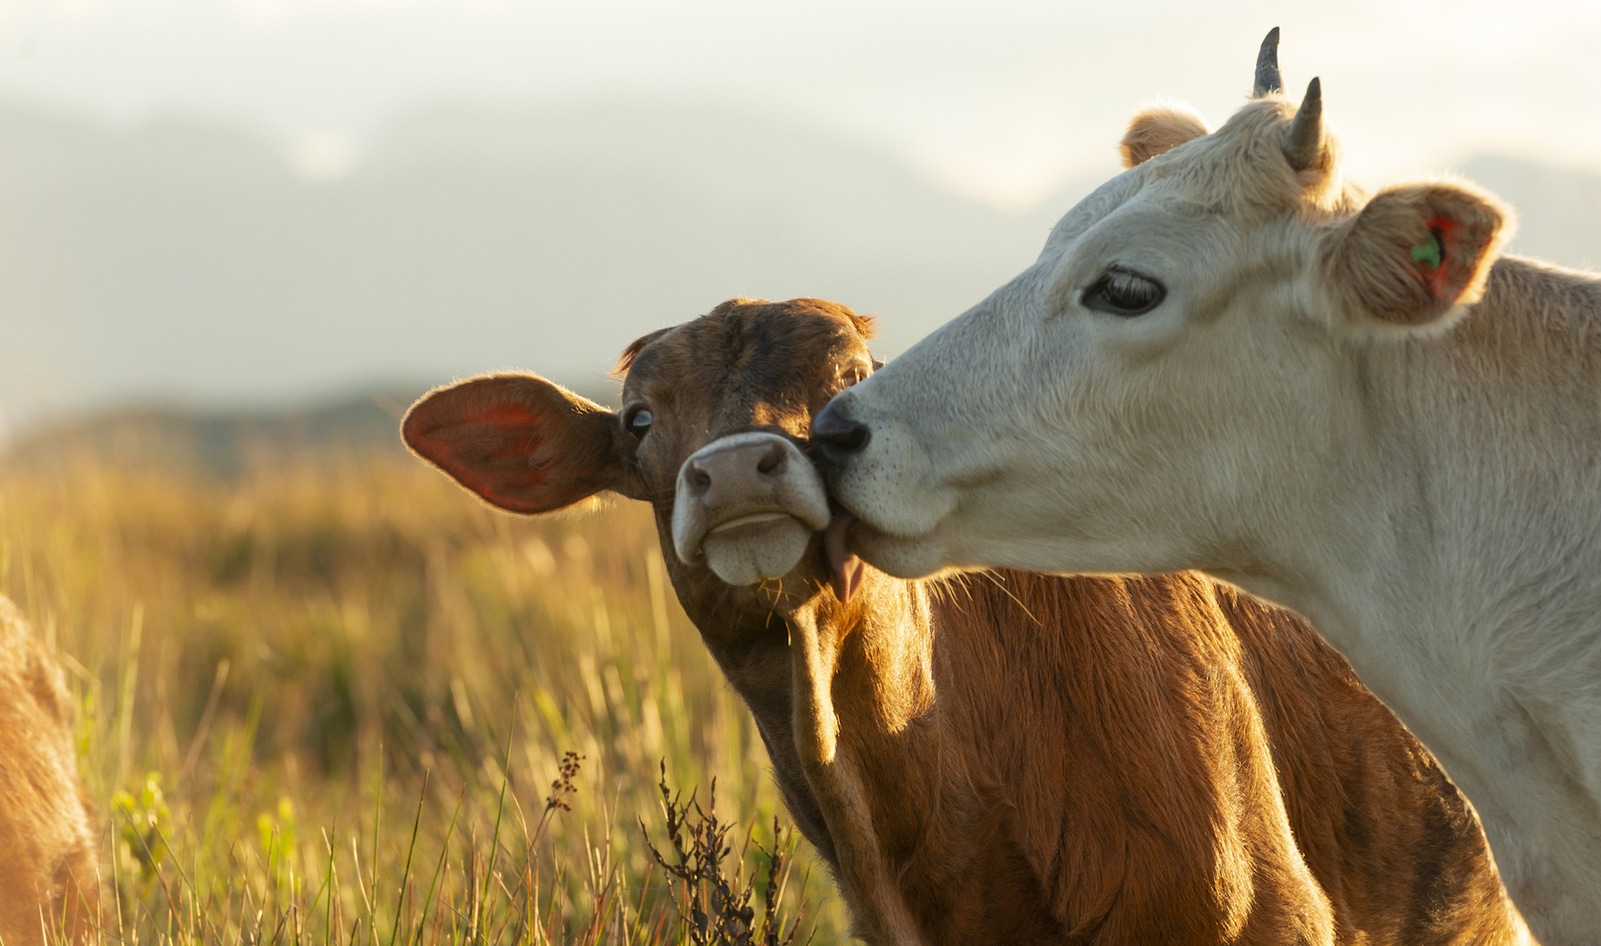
x=1228 y=359
x=49 y=878
x=1003 y=757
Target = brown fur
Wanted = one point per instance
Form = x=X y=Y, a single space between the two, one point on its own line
x=48 y=873
x=1011 y=758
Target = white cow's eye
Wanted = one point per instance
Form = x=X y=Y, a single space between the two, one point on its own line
x=1124 y=292
x=637 y=421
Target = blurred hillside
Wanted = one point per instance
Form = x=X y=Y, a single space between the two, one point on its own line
x=217 y=445
x=229 y=444
x=185 y=262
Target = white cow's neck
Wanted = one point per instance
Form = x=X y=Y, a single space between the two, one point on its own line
x=1460 y=573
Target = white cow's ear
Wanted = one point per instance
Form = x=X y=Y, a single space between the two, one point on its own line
x=519 y=442
x=1157 y=129
x=1416 y=254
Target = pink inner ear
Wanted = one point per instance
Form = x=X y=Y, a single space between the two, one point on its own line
x=514 y=454
x=494 y=453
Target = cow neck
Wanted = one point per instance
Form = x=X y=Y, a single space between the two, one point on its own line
x=869 y=662
x=879 y=647
x=892 y=771
x=880 y=652
x=1453 y=562
x=1456 y=495
x=859 y=789
x=876 y=655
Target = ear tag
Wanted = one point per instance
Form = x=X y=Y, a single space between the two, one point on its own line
x=1428 y=252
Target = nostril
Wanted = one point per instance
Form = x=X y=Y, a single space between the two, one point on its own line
x=700 y=481
x=853 y=439
x=837 y=434
x=771 y=462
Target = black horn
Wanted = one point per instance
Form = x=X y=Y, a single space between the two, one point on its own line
x=1268 y=79
x=1303 y=140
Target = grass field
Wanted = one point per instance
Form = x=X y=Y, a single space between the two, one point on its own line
x=327 y=701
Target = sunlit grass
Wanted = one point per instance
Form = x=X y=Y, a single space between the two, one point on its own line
x=327 y=703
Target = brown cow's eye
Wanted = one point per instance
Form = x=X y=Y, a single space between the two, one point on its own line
x=637 y=422
x=1124 y=292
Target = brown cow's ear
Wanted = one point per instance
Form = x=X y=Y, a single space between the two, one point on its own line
x=519 y=441
x=1416 y=253
x=1158 y=129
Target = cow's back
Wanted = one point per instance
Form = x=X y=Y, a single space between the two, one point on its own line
x=46 y=832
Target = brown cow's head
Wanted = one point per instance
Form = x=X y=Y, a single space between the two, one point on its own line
x=715 y=416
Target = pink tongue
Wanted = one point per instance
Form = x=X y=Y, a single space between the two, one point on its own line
x=846 y=568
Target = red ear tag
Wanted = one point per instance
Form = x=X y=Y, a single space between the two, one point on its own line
x=1430 y=255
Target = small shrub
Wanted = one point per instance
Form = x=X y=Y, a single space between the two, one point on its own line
x=712 y=889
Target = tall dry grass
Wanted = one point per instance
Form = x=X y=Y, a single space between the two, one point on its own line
x=327 y=702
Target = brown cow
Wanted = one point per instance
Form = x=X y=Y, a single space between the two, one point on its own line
x=49 y=878
x=1004 y=757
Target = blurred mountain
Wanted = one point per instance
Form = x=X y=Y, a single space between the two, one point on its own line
x=219 y=444
x=225 y=443
x=182 y=260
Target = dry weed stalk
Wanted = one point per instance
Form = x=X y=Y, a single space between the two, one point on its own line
x=717 y=905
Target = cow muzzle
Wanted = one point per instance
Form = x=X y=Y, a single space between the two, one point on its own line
x=748 y=504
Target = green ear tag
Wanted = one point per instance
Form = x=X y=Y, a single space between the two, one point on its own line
x=1428 y=253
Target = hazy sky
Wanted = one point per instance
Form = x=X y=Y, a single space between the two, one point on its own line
x=1000 y=99
x=1013 y=103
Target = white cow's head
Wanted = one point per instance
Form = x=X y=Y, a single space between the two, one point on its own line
x=1182 y=365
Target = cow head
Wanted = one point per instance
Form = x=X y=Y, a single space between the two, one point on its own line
x=715 y=414
x=1182 y=366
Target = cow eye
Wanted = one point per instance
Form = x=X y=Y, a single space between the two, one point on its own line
x=1124 y=292
x=637 y=421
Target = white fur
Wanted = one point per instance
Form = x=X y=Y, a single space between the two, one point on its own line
x=1429 y=498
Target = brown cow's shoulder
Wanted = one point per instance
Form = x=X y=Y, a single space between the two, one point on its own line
x=48 y=874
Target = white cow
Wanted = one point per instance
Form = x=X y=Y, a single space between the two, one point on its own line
x=1227 y=359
